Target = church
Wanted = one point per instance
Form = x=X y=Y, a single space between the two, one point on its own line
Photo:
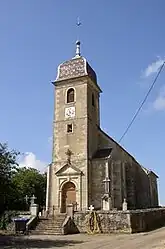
x=88 y=166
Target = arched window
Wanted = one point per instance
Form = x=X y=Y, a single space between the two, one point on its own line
x=93 y=100
x=70 y=95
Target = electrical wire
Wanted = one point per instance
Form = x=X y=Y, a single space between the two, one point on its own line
x=142 y=103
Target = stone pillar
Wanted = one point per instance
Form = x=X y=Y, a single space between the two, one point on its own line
x=112 y=183
x=107 y=180
x=34 y=209
x=47 y=188
x=69 y=210
x=106 y=203
x=124 y=194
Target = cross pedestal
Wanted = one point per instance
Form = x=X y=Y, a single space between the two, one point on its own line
x=33 y=206
x=106 y=202
x=125 y=205
x=69 y=210
x=34 y=209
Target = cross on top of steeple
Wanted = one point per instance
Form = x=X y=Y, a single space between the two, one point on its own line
x=77 y=66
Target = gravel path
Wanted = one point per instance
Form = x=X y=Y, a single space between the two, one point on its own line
x=151 y=240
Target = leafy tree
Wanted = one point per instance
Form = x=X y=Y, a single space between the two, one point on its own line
x=28 y=181
x=16 y=183
x=8 y=167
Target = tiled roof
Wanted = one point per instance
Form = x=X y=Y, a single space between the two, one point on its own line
x=75 y=67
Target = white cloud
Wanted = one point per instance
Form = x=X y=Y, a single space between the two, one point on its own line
x=153 y=68
x=159 y=103
x=30 y=160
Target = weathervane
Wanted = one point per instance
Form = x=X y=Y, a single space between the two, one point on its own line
x=78 y=21
x=78 y=24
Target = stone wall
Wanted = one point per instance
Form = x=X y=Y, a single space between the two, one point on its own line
x=142 y=188
x=130 y=221
x=97 y=184
x=147 y=219
x=128 y=180
x=153 y=189
x=116 y=184
x=109 y=222
x=93 y=114
x=130 y=185
x=76 y=140
x=140 y=184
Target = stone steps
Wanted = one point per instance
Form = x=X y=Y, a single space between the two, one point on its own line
x=52 y=221
x=47 y=227
x=52 y=225
x=46 y=232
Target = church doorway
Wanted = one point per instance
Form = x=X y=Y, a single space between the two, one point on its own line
x=68 y=195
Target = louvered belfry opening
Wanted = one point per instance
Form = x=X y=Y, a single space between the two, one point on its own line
x=70 y=95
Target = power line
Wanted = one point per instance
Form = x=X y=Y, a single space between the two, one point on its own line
x=141 y=105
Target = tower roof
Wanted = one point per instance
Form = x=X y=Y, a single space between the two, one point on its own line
x=76 y=67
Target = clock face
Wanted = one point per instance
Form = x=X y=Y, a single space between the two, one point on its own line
x=70 y=112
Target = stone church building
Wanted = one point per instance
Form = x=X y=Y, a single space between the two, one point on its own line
x=88 y=166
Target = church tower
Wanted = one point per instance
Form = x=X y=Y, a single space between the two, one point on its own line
x=75 y=134
x=88 y=166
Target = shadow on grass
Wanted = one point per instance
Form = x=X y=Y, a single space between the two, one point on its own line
x=25 y=242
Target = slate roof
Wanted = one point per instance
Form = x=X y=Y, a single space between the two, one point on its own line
x=75 y=67
x=103 y=153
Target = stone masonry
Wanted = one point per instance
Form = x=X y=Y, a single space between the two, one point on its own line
x=130 y=221
x=81 y=149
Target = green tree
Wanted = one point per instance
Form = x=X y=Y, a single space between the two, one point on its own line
x=28 y=181
x=8 y=167
x=16 y=183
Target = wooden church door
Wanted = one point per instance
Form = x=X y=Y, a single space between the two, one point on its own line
x=68 y=195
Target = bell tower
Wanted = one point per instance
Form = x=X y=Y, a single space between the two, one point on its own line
x=75 y=130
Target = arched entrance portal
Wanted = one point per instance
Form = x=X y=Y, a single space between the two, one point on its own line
x=68 y=195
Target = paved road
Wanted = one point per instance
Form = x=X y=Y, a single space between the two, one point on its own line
x=151 y=240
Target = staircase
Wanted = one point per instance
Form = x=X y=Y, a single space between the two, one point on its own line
x=51 y=225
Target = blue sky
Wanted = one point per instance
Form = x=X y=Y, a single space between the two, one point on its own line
x=122 y=40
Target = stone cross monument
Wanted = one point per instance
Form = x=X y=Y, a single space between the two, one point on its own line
x=33 y=206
